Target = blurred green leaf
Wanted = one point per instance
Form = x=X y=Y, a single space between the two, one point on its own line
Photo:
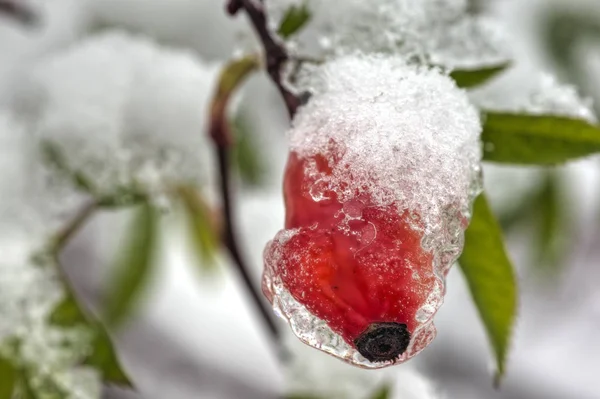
x=102 y=356
x=55 y=157
x=561 y=31
x=133 y=269
x=550 y=240
x=468 y=78
x=383 y=393
x=294 y=19
x=202 y=227
x=8 y=379
x=67 y=313
x=303 y=396
x=246 y=156
x=537 y=140
x=26 y=390
x=491 y=279
x=105 y=359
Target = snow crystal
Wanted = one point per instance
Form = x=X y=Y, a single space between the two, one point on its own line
x=124 y=111
x=543 y=95
x=440 y=32
x=397 y=134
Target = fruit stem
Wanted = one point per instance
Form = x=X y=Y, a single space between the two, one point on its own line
x=233 y=75
x=275 y=53
x=230 y=241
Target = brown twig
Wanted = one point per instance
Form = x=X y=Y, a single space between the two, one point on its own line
x=83 y=215
x=20 y=11
x=231 y=78
x=275 y=53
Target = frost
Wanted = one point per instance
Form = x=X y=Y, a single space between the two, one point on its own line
x=543 y=95
x=29 y=290
x=440 y=32
x=125 y=111
x=407 y=139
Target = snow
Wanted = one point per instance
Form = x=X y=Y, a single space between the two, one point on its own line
x=410 y=129
x=542 y=95
x=124 y=111
x=430 y=31
x=49 y=354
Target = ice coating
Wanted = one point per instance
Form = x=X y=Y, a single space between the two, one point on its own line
x=440 y=32
x=383 y=168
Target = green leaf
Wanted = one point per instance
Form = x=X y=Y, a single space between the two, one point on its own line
x=25 y=388
x=537 y=139
x=102 y=356
x=491 y=279
x=133 y=269
x=67 y=313
x=105 y=359
x=8 y=379
x=294 y=19
x=550 y=239
x=468 y=78
x=383 y=393
x=201 y=227
x=246 y=156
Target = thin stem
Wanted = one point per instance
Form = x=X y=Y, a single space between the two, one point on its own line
x=275 y=53
x=232 y=76
x=231 y=242
x=67 y=232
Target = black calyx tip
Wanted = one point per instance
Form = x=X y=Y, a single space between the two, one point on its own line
x=382 y=342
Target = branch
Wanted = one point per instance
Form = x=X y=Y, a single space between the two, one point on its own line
x=67 y=232
x=275 y=53
x=231 y=77
x=20 y=11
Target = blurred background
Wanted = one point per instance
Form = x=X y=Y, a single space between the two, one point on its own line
x=196 y=333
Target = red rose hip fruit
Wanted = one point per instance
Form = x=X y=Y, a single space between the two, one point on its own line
x=377 y=191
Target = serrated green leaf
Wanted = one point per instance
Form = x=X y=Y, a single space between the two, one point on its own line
x=383 y=393
x=134 y=267
x=469 y=78
x=8 y=379
x=246 y=155
x=201 y=226
x=294 y=19
x=490 y=276
x=537 y=140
